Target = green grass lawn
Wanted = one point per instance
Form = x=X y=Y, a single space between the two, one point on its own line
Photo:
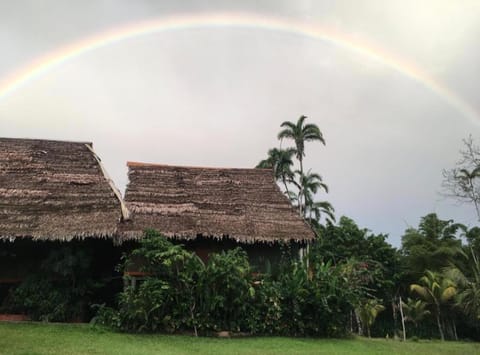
x=37 y=338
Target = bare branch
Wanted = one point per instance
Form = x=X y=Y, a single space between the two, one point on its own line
x=462 y=182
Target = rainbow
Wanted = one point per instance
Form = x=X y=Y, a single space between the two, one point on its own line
x=44 y=64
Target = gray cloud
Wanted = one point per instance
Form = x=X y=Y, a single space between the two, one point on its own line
x=217 y=96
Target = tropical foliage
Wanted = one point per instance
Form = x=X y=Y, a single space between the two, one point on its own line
x=300 y=187
x=61 y=289
x=280 y=160
x=468 y=284
x=434 y=245
x=415 y=310
x=368 y=311
x=351 y=280
x=181 y=293
x=437 y=290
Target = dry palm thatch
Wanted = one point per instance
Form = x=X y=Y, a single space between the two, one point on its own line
x=245 y=205
x=55 y=190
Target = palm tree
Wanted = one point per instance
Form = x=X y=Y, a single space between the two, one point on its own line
x=415 y=311
x=468 y=295
x=300 y=133
x=316 y=209
x=280 y=160
x=308 y=185
x=435 y=290
x=368 y=312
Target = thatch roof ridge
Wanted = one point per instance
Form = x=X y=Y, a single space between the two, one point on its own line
x=116 y=191
x=55 y=190
x=46 y=140
x=156 y=165
x=187 y=202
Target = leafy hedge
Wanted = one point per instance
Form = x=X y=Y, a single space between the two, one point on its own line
x=181 y=293
x=61 y=289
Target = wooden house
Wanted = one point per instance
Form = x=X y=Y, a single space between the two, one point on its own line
x=211 y=209
x=52 y=192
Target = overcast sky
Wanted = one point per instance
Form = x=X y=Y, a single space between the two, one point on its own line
x=216 y=96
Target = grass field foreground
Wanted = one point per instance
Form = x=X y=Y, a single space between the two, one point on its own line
x=38 y=338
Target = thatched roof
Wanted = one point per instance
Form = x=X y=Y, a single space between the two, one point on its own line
x=55 y=190
x=186 y=202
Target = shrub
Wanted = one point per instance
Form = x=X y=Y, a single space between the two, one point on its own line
x=181 y=293
x=317 y=301
x=266 y=311
x=61 y=289
x=225 y=292
x=165 y=300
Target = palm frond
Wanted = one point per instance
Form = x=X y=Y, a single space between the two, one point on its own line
x=285 y=133
x=448 y=294
x=264 y=164
x=476 y=172
x=324 y=186
x=300 y=121
x=421 y=291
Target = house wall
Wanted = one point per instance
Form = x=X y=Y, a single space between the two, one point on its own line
x=262 y=256
x=16 y=261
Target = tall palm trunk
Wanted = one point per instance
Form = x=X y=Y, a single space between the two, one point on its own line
x=285 y=184
x=301 y=192
x=300 y=159
x=454 y=330
x=403 y=320
x=439 y=324
x=359 y=324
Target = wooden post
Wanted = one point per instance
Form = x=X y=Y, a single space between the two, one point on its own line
x=403 y=319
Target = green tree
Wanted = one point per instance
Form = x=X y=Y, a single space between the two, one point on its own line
x=433 y=246
x=167 y=298
x=299 y=187
x=436 y=290
x=317 y=209
x=368 y=312
x=415 y=310
x=468 y=295
x=280 y=160
x=346 y=240
x=300 y=133
x=310 y=183
x=472 y=236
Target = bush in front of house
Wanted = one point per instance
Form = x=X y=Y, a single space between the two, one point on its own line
x=181 y=293
x=59 y=291
x=225 y=292
x=164 y=300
